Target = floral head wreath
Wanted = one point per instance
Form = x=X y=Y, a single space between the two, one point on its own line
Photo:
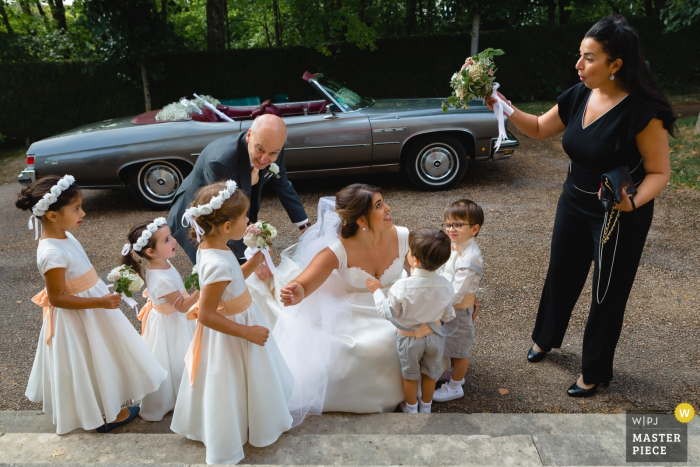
x=145 y=236
x=40 y=208
x=205 y=209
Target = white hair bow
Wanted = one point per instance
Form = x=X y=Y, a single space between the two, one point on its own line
x=188 y=220
x=35 y=225
x=126 y=249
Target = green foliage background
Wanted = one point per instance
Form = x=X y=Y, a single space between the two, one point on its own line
x=43 y=98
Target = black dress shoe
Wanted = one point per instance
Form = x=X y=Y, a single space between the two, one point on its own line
x=133 y=411
x=534 y=356
x=576 y=391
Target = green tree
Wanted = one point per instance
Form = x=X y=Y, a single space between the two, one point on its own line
x=680 y=14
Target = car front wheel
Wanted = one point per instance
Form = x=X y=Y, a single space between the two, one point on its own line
x=155 y=183
x=436 y=162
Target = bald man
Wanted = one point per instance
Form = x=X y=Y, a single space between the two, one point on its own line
x=244 y=157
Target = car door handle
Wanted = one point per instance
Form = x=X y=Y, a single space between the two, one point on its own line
x=330 y=117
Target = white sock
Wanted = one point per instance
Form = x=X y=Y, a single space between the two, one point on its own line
x=454 y=384
x=424 y=407
x=411 y=408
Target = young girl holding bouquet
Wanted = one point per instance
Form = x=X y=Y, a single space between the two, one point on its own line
x=89 y=359
x=165 y=327
x=237 y=385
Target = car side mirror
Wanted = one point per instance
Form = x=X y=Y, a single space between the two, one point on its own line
x=330 y=109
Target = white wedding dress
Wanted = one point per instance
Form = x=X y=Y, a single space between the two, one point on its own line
x=342 y=353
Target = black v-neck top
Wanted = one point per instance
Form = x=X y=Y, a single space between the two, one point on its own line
x=606 y=143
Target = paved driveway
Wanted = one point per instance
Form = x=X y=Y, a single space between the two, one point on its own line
x=657 y=363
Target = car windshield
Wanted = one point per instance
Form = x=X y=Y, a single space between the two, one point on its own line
x=348 y=100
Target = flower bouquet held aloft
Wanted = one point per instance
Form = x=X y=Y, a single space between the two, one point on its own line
x=477 y=80
x=258 y=237
x=125 y=281
x=193 y=279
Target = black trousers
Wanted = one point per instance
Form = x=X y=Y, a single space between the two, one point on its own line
x=575 y=244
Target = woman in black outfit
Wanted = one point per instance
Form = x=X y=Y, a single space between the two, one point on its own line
x=616 y=116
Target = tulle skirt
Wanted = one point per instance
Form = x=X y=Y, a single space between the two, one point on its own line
x=240 y=393
x=168 y=338
x=94 y=362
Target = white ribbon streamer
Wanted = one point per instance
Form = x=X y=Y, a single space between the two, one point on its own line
x=190 y=222
x=499 y=107
x=186 y=103
x=216 y=111
x=35 y=225
x=250 y=252
x=126 y=249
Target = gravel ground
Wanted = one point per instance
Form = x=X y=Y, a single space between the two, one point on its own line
x=657 y=362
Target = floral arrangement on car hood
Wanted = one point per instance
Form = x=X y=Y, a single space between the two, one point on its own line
x=182 y=109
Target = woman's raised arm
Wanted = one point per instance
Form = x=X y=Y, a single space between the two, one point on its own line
x=542 y=127
x=311 y=278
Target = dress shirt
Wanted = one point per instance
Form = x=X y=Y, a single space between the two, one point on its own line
x=466 y=281
x=424 y=297
x=298 y=224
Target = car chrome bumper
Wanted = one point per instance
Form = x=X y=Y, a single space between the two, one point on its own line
x=27 y=177
x=507 y=147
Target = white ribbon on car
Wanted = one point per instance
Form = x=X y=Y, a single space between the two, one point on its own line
x=499 y=107
x=216 y=111
x=35 y=225
x=188 y=221
x=250 y=252
x=128 y=300
x=186 y=103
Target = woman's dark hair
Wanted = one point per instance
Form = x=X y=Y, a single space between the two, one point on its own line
x=353 y=202
x=619 y=40
x=32 y=194
x=133 y=237
x=231 y=209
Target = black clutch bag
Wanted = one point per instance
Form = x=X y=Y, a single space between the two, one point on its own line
x=612 y=184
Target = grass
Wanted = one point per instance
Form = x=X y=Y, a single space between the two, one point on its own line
x=685 y=155
x=12 y=162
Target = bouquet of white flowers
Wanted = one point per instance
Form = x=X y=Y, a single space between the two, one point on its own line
x=258 y=237
x=476 y=80
x=126 y=281
x=193 y=278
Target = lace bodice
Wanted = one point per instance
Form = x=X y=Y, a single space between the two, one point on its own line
x=355 y=277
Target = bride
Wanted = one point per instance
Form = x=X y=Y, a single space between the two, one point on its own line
x=341 y=352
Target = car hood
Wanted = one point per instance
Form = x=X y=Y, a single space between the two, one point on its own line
x=427 y=105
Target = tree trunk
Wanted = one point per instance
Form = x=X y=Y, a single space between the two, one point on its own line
x=41 y=11
x=429 y=17
x=60 y=15
x=164 y=10
x=26 y=9
x=475 y=34
x=146 y=88
x=276 y=20
x=5 y=19
x=564 y=13
x=697 y=126
x=410 y=16
x=216 y=24
x=267 y=32
x=551 y=7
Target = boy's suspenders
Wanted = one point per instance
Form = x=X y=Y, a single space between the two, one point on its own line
x=387 y=312
x=472 y=266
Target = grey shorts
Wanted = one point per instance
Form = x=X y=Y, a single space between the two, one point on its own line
x=459 y=343
x=420 y=355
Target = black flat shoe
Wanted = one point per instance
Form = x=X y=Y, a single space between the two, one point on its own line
x=534 y=356
x=133 y=411
x=576 y=391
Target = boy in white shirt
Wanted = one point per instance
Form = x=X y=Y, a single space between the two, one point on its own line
x=416 y=306
x=464 y=269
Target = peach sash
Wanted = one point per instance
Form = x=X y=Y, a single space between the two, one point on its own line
x=73 y=286
x=466 y=303
x=227 y=308
x=422 y=331
x=164 y=308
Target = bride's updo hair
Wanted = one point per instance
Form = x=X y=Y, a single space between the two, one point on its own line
x=353 y=202
x=231 y=209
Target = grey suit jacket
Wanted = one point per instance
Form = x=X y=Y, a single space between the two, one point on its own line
x=227 y=159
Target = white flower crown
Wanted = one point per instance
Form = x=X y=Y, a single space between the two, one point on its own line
x=41 y=207
x=145 y=236
x=205 y=209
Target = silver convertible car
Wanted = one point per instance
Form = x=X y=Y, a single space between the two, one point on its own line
x=340 y=134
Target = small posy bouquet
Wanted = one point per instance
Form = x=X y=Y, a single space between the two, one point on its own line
x=193 y=279
x=126 y=281
x=258 y=237
x=475 y=80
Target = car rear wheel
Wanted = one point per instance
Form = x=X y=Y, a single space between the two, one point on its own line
x=436 y=162
x=156 y=182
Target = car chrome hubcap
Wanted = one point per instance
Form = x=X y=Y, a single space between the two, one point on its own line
x=436 y=164
x=161 y=181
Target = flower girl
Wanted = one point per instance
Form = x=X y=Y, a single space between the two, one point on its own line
x=89 y=358
x=237 y=385
x=164 y=325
